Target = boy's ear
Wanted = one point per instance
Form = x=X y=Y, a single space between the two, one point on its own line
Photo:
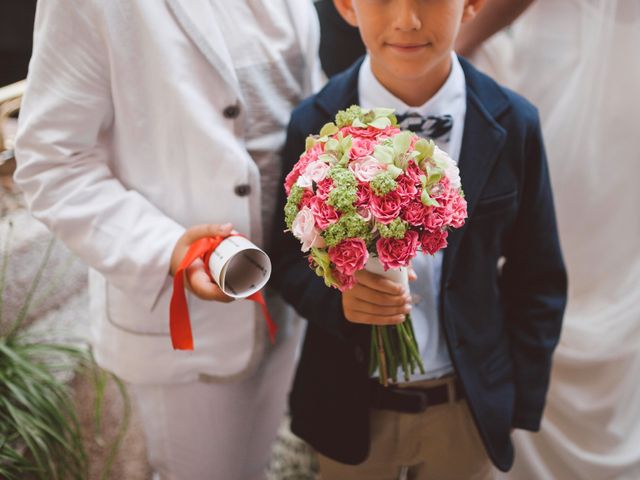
x=346 y=11
x=471 y=8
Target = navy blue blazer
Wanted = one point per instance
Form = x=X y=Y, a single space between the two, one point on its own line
x=501 y=324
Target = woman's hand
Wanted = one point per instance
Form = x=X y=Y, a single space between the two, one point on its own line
x=196 y=278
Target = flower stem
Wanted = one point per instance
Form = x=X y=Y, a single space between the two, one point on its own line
x=403 y=355
x=381 y=357
x=390 y=354
x=411 y=345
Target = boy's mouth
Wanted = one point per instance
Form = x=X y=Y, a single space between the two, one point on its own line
x=407 y=47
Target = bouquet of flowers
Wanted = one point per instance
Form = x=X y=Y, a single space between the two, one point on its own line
x=366 y=195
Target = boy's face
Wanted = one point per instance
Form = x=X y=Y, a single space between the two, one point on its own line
x=408 y=40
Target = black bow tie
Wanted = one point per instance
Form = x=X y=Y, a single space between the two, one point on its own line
x=436 y=127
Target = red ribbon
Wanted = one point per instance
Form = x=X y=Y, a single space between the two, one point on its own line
x=179 y=322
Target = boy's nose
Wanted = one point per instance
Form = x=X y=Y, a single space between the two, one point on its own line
x=407 y=17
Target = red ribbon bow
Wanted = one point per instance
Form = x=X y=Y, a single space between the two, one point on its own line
x=179 y=322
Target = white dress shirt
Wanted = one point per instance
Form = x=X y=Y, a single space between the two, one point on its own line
x=450 y=99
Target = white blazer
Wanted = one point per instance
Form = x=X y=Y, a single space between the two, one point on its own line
x=122 y=144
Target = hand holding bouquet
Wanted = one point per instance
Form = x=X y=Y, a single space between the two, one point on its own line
x=365 y=192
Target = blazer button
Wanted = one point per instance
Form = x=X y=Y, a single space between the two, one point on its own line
x=231 y=112
x=242 y=190
x=359 y=354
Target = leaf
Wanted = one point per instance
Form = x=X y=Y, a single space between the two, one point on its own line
x=380 y=123
x=309 y=143
x=425 y=147
x=402 y=142
x=383 y=112
x=435 y=177
x=394 y=171
x=427 y=201
x=327 y=158
x=358 y=123
x=328 y=129
x=332 y=145
x=383 y=154
x=423 y=181
x=346 y=143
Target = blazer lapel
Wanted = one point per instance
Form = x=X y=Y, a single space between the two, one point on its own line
x=341 y=92
x=481 y=144
x=197 y=19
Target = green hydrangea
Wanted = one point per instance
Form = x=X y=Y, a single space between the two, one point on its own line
x=291 y=208
x=343 y=198
x=396 y=229
x=363 y=117
x=350 y=225
x=344 y=194
x=342 y=177
x=383 y=183
x=344 y=118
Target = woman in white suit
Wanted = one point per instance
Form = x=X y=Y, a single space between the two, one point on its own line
x=143 y=118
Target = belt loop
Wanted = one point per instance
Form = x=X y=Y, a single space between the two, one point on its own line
x=451 y=389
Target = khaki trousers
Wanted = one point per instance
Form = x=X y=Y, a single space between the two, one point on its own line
x=441 y=443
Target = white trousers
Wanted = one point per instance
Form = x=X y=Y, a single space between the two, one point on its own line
x=217 y=431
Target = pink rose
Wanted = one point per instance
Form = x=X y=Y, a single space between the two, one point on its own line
x=413 y=172
x=305 y=201
x=435 y=218
x=345 y=282
x=386 y=209
x=323 y=188
x=355 y=132
x=291 y=179
x=363 y=195
x=349 y=256
x=324 y=213
x=407 y=189
x=459 y=212
x=387 y=133
x=361 y=147
x=414 y=213
x=395 y=253
x=316 y=171
x=366 y=168
x=431 y=242
x=305 y=159
x=304 y=229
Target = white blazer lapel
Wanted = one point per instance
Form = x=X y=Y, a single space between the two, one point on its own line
x=197 y=19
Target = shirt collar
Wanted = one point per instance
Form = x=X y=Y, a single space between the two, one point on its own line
x=452 y=93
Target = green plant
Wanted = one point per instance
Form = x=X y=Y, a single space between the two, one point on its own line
x=40 y=436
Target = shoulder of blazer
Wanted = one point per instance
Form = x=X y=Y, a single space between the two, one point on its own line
x=497 y=100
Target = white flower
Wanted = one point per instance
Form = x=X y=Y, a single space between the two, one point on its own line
x=303 y=181
x=316 y=171
x=446 y=163
x=304 y=229
x=365 y=168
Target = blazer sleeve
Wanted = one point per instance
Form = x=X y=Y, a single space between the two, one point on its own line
x=534 y=285
x=291 y=274
x=63 y=151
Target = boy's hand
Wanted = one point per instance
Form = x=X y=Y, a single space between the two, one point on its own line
x=374 y=300
x=196 y=278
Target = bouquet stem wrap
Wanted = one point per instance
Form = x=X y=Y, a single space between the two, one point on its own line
x=179 y=322
x=393 y=346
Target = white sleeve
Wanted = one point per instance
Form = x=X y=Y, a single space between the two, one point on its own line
x=62 y=154
x=317 y=77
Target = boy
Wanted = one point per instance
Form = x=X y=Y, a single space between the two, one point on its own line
x=487 y=312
